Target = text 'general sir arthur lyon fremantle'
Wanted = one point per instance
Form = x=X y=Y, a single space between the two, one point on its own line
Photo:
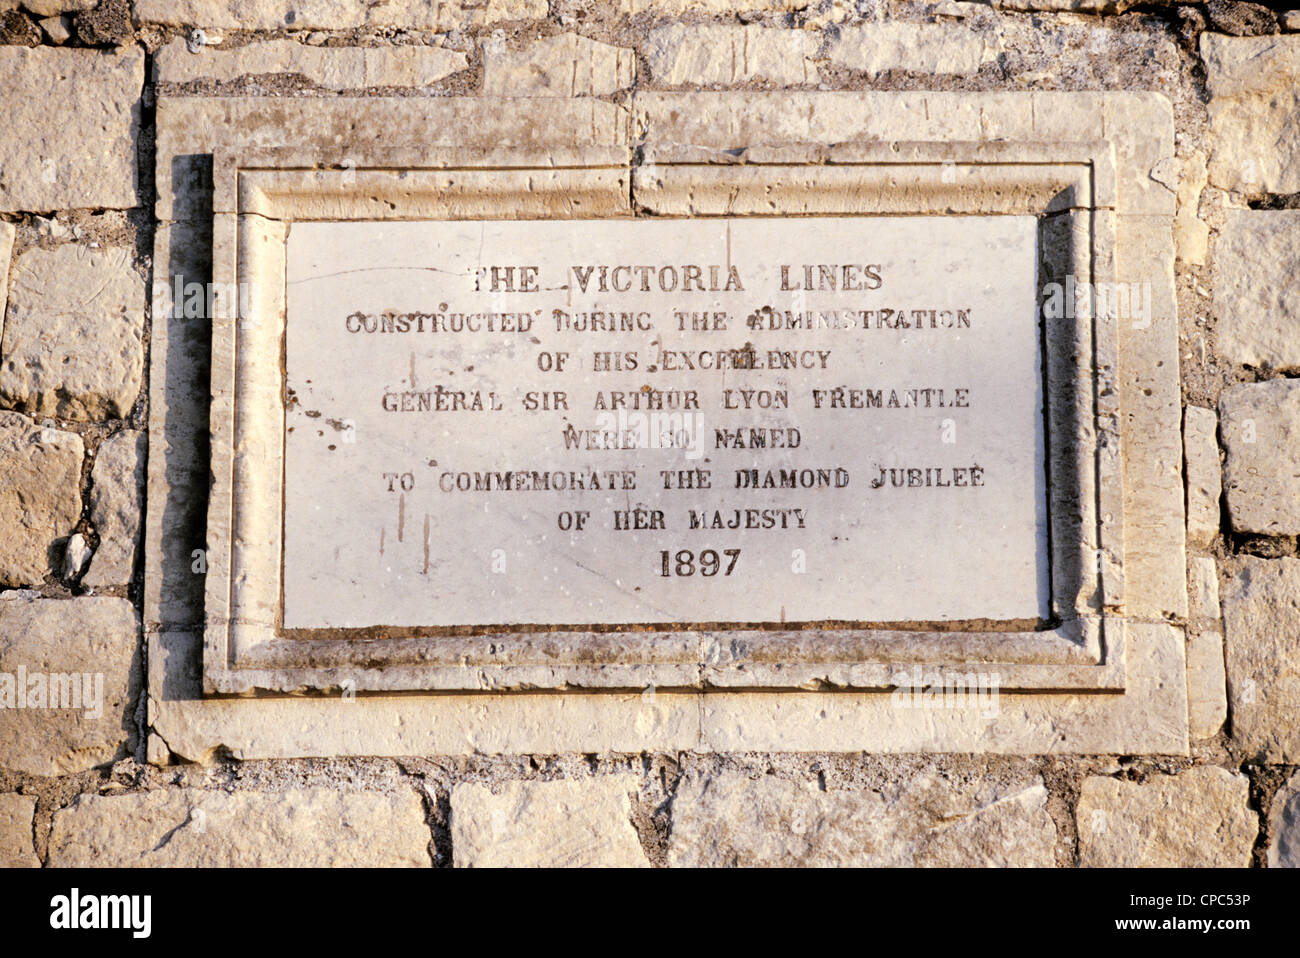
x=657 y=421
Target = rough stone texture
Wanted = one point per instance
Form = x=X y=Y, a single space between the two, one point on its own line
x=1254 y=86
x=1191 y=233
x=1284 y=821
x=7 y=233
x=563 y=65
x=51 y=8
x=81 y=154
x=108 y=23
x=1204 y=474
x=722 y=55
x=1256 y=298
x=1291 y=20
x=1260 y=424
x=1240 y=19
x=73 y=343
x=309 y=827
x=916 y=47
x=572 y=823
x=40 y=502
x=75 y=556
x=18 y=30
x=335 y=68
x=1200 y=818
x=95 y=636
x=1202 y=589
x=116 y=490
x=16 y=848
x=1207 y=686
x=1261 y=617
x=335 y=14
x=56 y=28
x=732 y=819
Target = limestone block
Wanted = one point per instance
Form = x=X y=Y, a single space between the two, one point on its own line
x=1260 y=425
x=1254 y=108
x=570 y=823
x=1261 y=617
x=1200 y=818
x=1256 y=298
x=1207 y=686
x=1191 y=233
x=682 y=54
x=1284 y=849
x=1204 y=474
x=732 y=819
x=944 y=48
x=335 y=68
x=73 y=343
x=40 y=498
x=1202 y=589
x=52 y=8
x=564 y=65
x=197 y=828
x=16 y=848
x=336 y=14
x=70 y=122
x=81 y=655
x=116 y=489
x=7 y=232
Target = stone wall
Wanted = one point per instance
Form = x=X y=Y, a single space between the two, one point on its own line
x=78 y=81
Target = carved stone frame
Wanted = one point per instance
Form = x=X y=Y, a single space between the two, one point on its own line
x=258 y=194
x=1125 y=694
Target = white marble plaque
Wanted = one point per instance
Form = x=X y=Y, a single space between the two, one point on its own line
x=752 y=420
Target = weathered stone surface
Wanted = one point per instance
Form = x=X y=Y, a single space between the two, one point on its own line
x=51 y=8
x=96 y=639
x=335 y=14
x=1261 y=617
x=1207 y=686
x=108 y=23
x=16 y=848
x=308 y=827
x=75 y=556
x=335 y=68
x=1200 y=818
x=1071 y=6
x=1260 y=424
x=732 y=819
x=1291 y=20
x=1191 y=233
x=696 y=55
x=665 y=8
x=1239 y=18
x=116 y=488
x=7 y=233
x=18 y=30
x=56 y=29
x=73 y=343
x=563 y=65
x=1202 y=590
x=1254 y=85
x=81 y=154
x=40 y=500
x=570 y=823
x=949 y=48
x=1204 y=475
x=1284 y=821
x=1256 y=298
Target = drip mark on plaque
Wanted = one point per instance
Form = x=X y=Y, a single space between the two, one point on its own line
x=401 y=516
x=426 y=544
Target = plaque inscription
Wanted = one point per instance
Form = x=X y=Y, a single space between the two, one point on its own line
x=754 y=420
